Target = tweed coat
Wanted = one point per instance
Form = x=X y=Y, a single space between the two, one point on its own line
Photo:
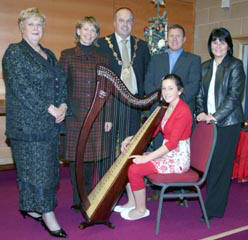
x=126 y=120
x=80 y=68
x=32 y=85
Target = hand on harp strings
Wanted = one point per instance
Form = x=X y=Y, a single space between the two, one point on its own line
x=125 y=143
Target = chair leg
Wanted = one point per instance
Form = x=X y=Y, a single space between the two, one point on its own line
x=203 y=207
x=161 y=198
x=185 y=202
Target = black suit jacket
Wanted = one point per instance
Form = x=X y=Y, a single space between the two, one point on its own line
x=140 y=63
x=188 y=67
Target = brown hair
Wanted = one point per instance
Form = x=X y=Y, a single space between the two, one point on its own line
x=80 y=23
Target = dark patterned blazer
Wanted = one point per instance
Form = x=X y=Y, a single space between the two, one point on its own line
x=140 y=63
x=32 y=85
x=79 y=64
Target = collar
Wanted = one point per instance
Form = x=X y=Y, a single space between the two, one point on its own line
x=119 y=39
x=81 y=52
x=175 y=53
x=224 y=62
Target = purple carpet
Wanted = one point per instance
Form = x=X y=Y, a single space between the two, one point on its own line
x=177 y=223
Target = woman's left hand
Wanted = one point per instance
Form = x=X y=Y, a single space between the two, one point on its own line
x=108 y=126
x=139 y=159
x=210 y=118
x=61 y=111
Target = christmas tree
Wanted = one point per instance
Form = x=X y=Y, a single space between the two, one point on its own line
x=156 y=32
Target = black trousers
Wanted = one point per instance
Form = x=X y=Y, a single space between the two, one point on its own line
x=220 y=171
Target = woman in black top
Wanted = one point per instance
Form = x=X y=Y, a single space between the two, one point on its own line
x=35 y=109
x=219 y=100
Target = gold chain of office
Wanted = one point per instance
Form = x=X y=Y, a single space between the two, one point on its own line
x=115 y=53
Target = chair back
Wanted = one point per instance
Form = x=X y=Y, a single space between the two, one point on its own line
x=202 y=144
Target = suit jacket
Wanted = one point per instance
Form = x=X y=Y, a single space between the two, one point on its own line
x=229 y=89
x=32 y=85
x=140 y=63
x=188 y=67
x=79 y=65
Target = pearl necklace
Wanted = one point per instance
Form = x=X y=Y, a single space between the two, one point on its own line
x=37 y=48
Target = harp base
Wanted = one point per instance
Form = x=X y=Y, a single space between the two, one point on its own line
x=86 y=224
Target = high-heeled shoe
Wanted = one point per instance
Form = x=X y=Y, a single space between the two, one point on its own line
x=75 y=207
x=25 y=214
x=58 y=233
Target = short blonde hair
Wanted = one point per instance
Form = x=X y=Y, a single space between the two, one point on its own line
x=30 y=12
x=80 y=23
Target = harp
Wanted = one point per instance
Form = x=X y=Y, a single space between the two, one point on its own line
x=96 y=206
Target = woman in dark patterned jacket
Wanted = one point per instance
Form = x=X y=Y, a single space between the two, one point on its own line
x=79 y=64
x=35 y=109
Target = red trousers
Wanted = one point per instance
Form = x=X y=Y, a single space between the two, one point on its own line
x=137 y=172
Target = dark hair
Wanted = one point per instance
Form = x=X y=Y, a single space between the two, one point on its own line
x=223 y=35
x=176 y=78
x=122 y=8
x=177 y=26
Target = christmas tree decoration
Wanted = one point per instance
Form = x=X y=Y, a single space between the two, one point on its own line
x=156 y=33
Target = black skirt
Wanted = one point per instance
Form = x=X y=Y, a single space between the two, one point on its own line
x=37 y=166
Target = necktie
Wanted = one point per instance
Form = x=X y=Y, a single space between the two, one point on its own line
x=126 y=76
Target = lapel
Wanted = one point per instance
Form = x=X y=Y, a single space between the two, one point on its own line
x=180 y=61
x=167 y=63
x=37 y=58
x=220 y=73
x=207 y=77
x=115 y=45
x=132 y=42
x=161 y=65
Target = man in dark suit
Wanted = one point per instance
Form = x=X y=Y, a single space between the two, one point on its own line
x=176 y=60
x=129 y=58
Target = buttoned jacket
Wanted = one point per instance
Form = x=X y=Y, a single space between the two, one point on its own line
x=80 y=68
x=32 y=85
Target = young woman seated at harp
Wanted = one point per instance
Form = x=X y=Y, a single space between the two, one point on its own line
x=172 y=157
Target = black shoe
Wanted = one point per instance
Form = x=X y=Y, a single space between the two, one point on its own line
x=58 y=233
x=75 y=207
x=25 y=214
x=154 y=196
